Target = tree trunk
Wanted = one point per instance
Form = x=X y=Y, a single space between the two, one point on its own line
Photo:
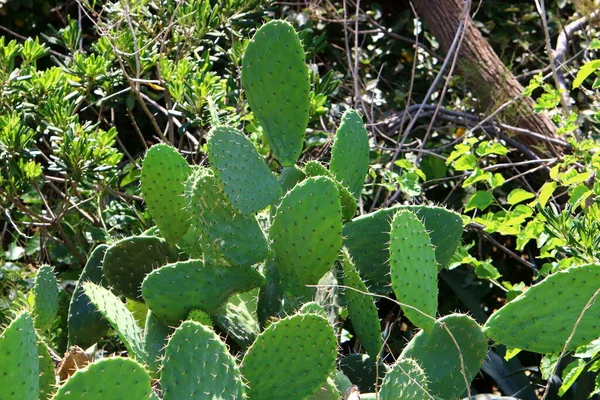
x=484 y=71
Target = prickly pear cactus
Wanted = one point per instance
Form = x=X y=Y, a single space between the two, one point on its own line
x=45 y=292
x=113 y=378
x=86 y=326
x=367 y=239
x=413 y=269
x=172 y=291
x=443 y=366
x=283 y=364
x=156 y=334
x=238 y=317
x=245 y=177
x=406 y=380
x=290 y=177
x=349 y=206
x=238 y=238
x=200 y=316
x=306 y=234
x=361 y=308
x=19 y=364
x=121 y=319
x=275 y=78
x=326 y=392
x=128 y=261
x=542 y=319
x=363 y=371
x=197 y=365
x=350 y=153
x=47 y=373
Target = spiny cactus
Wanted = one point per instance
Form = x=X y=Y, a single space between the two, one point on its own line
x=113 y=378
x=19 y=364
x=413 y=269
x=405 y=380
x=173 y=290
x=350 y=153
x=238 y=317
x=164 y=173
x=363 y=371
x=156 y=334
x=326 y=392
x=128 y=261
x=85 y=325
x=275 y=78
x=283 y=362
x=197 y=365
x=467 y=346
x=542 y=319
x=47 y=378
x=306 y=233
x=349 y=206
x=245 y=177
x=45 y=293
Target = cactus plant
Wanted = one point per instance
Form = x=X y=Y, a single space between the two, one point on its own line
x=238 y=317
x=197 y=365
x=47 y=381
x=350 y=153
x=275 y=79
x=363 y=371
x=245 y=177
x=113 y=378
x=413 y=269
x=326 y=392
x=349 y=206
x=45 y=292
x=362 y=310
x=306 y=233
x=405 y=380
x=172 y=291
x=283 y=362
x=164 y=173
x=128 y=261
x=542 y=319
x=156 y=334
x=19 y=364
x=466 y=347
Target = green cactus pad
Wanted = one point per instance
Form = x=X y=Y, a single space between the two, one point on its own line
x=350 y=153
x=306 y=233
x=326 y=392
x=291 y=359
x=19 y=364
x=245 y=177
x=197 y=365
x=200 y=316
x=156 y=334
x=238 y=318
x=361 y=308
x=367 y=239
x=270 y=297
x=275 y=78
x=312 y=307
x=45 y=290
x=85 y=325
x=237 y=237
x=542 y=319
x=47 y=374
x=349 y=206
x=172 y=291
x=413 y=269
x=363 y=371
x=121 y=319
x=164 y=173
x=113 y=378
x=406 y=380
x=128 y=261
x=290 y=177
x=442 y=366
x=340 y=380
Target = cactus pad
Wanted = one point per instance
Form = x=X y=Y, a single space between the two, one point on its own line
x=172 y=291
x=114 y=378
x=413 y=269
x=290 y=177
x=156 y=333
x=350 y=153
x=406 y=380
x=363 y=371
x=164 y=173
x=19 y=364
x=326 y=392
x=443 y=366
x=306 y=233
x=349 y=206
x=367 y=239
x=45 y=291
x=238 y=318
x=121 y=319
x=291 y=359
x=47 y=373
x=361 y=308
x=542 y=319
x=237 y=237
x=275 y=78
x=197 y=365
x=245 y=177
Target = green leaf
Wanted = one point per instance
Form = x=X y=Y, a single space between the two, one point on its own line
x=477 y=176
x=546 y=192
x=548 y=364
x=570 y=375
x=579 y=195
x=572 y=177
x=480 y=200
x=485 y=270
x=519 y=195
x=586 y=70
x=466 y=162
x=486 y=148
x=497 y=180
